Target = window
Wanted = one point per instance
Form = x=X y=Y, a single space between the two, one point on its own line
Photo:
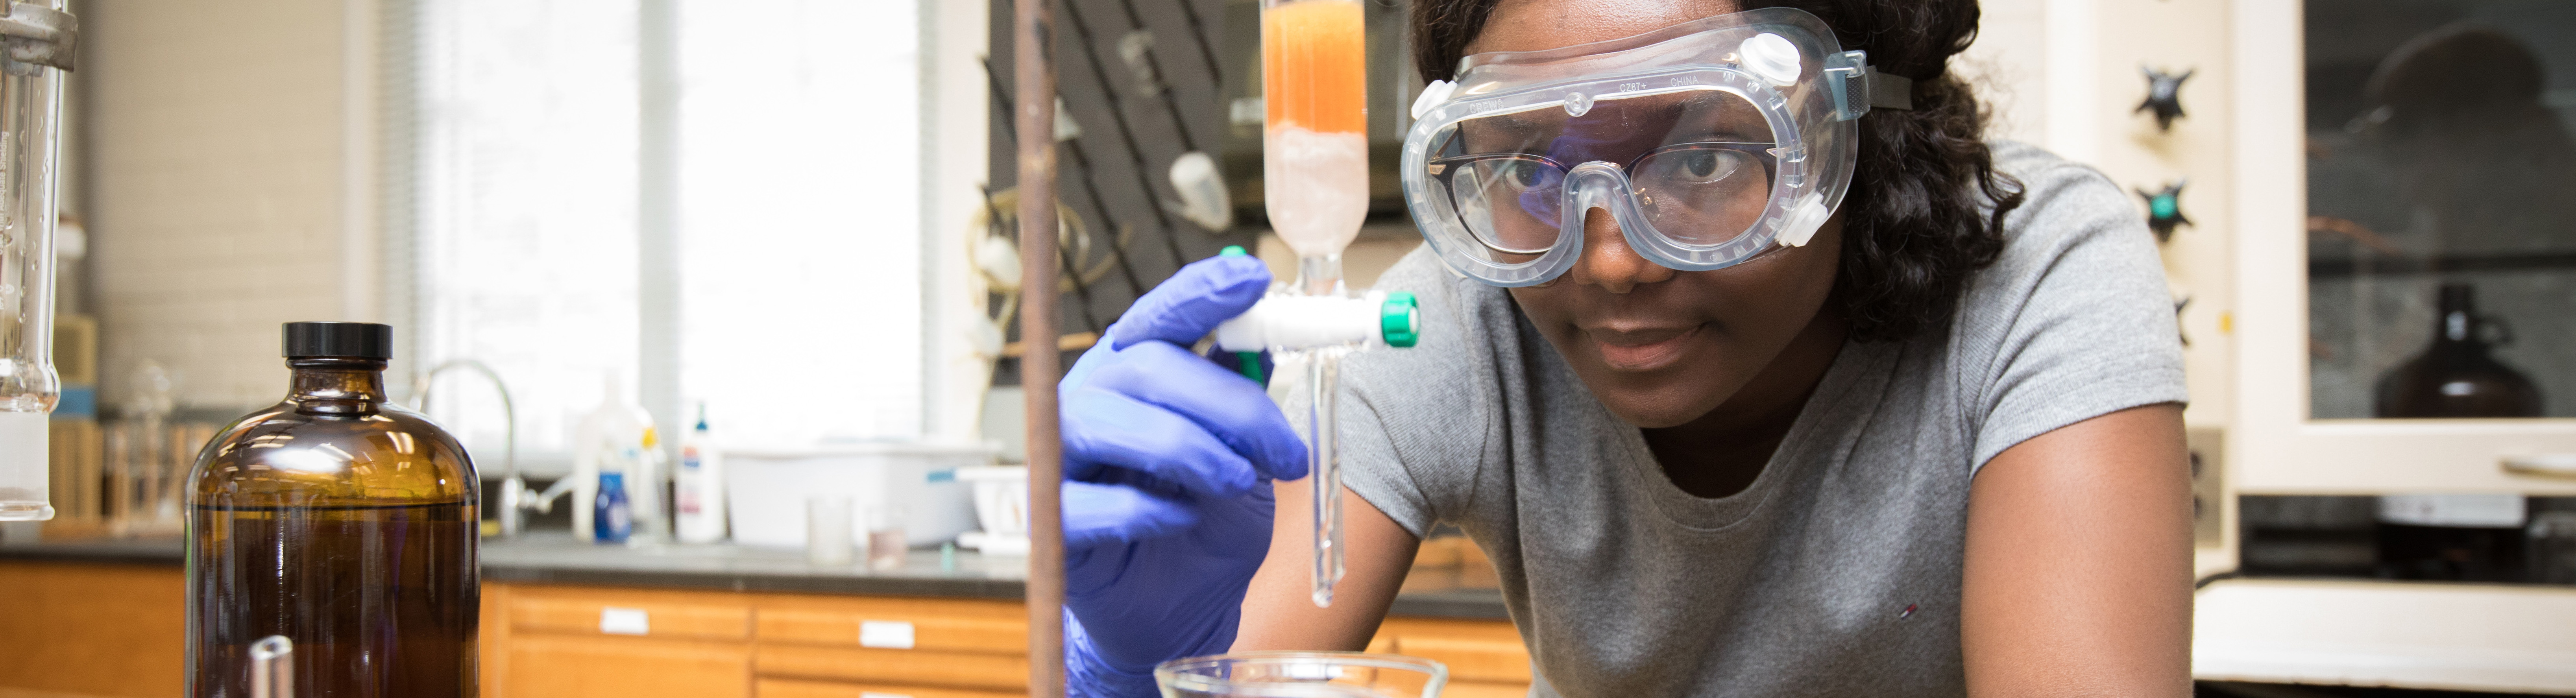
x=791 y=247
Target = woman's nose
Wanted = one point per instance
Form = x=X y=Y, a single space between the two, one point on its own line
x=1607 y=262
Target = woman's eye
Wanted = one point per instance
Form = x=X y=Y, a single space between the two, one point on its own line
x=1702 y=166
x=1523 y=175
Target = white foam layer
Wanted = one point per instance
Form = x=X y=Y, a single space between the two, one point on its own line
x=1315 y=187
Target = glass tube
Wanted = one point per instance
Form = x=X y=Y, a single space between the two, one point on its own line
x=1315 y=186
x=30 y=109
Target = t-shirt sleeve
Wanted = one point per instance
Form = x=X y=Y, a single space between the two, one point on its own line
x=1413 y=419
x=2074 y=321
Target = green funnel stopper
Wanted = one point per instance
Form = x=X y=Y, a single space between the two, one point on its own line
x=1400 y=319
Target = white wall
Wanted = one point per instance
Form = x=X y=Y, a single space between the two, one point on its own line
x=214 y=187
x=2008 y=65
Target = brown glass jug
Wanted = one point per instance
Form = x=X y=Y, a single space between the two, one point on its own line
x=344 y=523
x=2458 y=375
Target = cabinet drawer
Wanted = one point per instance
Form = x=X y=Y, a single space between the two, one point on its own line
x=607 y=667
x=662 y=615
x=795 y=688
x=972 y=670
x=951 y=625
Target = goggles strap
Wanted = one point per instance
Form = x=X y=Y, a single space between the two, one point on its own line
x=1859 y=87
x=1888 y=91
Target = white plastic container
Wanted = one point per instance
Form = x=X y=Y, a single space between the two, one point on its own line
x=766 y=490
x=1001 y=507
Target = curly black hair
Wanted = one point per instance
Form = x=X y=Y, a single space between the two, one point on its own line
x=1916 y=224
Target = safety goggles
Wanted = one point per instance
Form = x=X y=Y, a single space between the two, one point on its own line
x=1708 y=142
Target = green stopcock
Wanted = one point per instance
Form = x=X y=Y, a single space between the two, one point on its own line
x=1400 y=319
x=1232 y=251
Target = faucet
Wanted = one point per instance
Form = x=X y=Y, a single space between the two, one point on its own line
x=515 y=500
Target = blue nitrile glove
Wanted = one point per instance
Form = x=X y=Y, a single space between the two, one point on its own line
x=1168 y=458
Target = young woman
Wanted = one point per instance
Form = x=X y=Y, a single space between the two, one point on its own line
x=1753 y=367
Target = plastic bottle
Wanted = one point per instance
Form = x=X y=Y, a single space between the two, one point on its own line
x=342 y=522
x=699 y=486
x=611 y=519
x=611 y=437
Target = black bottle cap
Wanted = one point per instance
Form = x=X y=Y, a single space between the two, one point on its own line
x=363 y=340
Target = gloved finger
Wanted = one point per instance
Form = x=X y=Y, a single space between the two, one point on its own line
x=1193 y=302
x=1096 y=514
x=1092 y=359
x=1234 y=410
x=1103 y=429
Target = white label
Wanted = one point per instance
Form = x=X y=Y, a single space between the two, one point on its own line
x=885 y=634
x=624 y=621
x=874 y=694
x=2461 y=510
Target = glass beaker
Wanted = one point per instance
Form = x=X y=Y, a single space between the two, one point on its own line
x=886 y=541
x=1301 y=675
x=31 y=105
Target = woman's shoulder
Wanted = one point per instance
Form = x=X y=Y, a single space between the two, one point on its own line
x=2074 y=319
x=2072 y=219
x=2061 y=197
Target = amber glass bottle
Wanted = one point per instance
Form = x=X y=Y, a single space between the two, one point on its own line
x=341 y=521
x=2457 y=375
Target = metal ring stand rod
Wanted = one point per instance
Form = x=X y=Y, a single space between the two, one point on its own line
x=1032 y=37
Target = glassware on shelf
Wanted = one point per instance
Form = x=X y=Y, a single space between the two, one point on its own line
x=2457 y=375
x=148 y=453
x=343 y=522
x=1302 y=675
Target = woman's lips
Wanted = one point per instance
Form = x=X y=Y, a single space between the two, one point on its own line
x=1640 y=349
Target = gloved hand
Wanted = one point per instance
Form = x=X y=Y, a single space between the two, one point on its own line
x=1168 y=458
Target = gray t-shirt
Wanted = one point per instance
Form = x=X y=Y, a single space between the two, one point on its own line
x=1837 y=572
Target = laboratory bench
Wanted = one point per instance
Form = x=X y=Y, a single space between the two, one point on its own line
x=90 y=619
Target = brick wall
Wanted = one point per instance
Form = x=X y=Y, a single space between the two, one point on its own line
x=213 y=187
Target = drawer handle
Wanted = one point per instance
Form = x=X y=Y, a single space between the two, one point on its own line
x=2544 y=465
x=885 y=634
x=624 y=621
x=876 y=694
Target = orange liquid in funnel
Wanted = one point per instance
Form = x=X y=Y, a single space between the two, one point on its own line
x=1313 y=66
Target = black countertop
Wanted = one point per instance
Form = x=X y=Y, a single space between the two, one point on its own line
x=557 y=558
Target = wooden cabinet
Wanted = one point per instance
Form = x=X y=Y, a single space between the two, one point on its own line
x=110 y=630
x=792 y=688
x=565 y=666
x=551 y=642
x=74 y=630
x=597 y=641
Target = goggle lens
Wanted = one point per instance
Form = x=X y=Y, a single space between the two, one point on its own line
x=1696 y=175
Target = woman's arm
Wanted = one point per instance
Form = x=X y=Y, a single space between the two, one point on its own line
x=2078 y=579
x=1279 y=611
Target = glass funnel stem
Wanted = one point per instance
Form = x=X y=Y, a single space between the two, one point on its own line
x=1321 y=275
x=1324 y=469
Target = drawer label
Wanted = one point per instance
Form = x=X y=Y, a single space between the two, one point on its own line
x=885 y=634
x=624 y=621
